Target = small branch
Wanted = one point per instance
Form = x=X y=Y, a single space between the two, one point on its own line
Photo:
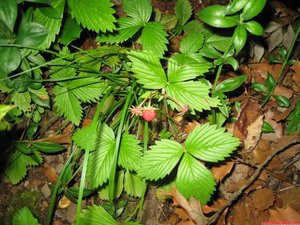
x=254 y=177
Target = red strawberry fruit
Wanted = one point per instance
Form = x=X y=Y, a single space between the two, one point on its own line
x=148 y=114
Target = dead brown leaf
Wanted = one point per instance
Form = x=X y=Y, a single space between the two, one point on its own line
x=254 y=132
x=221 y=171
x=278 y=128
x=64 y=202
x=296 y=75
x=291 y=197
x=263 y=199
x=190 y=126
x=284 y=91
x=57 y=139
x=215 y=206
x=49 y=172
x=284 y=214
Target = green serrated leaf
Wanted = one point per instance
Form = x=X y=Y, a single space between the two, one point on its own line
x=209 y=143
x=153 y=38
x=50 y=12
x=130 y=153
x=231 y=84
x=87 y=89
x=240 y=37
x=210 y=52
x=183 y=11
x=134 y=185
x=8 y=13
x=104 y=191
x=52 y=25
x=100 y=160
x=21 y=100
x=215 y=16
x=192 y=93
x=148 y=70
x=192 y=43
x=161 y=159
x=218 y=42
x=85 y=134
x=24 y=217
x=67 y=104
x=139 y=9
x=254 y=28
x=71 y=31
x=252 y=9
x=194 y=179
x=96 y=15
x=95 y=215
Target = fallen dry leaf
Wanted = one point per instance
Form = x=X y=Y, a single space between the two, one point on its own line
x=215 y=206
x=284 y=91
x=64 y=202
x=221 y=171
x=278 y=128
x=57 y=139
x=254 y=132
x=190 y=126
x=285 y=214
x=296 y=75
x=263 y=199
x=49 y=172
x=291 y=197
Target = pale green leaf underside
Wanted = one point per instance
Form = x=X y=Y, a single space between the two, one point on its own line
x=209 y=143
x=130 y=152
x=100 y=160
x=24 y=217
x=187 y=71
x=96 y=15
x=191 y=93
x=67 y=104
x=21 y=100
x=52 y=25
x=87 y=89
x=138 y=9
x=154 y=39
x=95 y=215
x=148 y=70
x=161 y=159
x=134 y=185
x=194 y=179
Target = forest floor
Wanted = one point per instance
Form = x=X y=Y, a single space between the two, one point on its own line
x=261 y=182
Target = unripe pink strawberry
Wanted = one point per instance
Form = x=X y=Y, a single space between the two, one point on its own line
x=148 y=114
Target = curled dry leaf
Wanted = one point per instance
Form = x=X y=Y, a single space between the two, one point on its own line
x=254 y=132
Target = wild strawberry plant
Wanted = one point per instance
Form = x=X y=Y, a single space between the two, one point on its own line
x=134 y=85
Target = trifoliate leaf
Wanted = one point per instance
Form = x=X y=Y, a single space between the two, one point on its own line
x=134 y=185
x=87 y=89
x=100 y=160
x=95 y=215
x=177 y=73
x=209 y=143
x=138 y=9
x=24 y=217
x=161 y=159
x=192 y=93
x=148 y=70
x=21 y=100
x=96 y=15
x=67 y=104
x=154 y=39
x=130 y=152
x=194 y=179
x=52 y=25
x=183 y=11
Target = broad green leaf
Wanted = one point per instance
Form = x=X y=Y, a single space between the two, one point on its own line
x=235 y=6
x=67 y=104
x=161 y=159
x=21 y=100
x=50 y=12
x=267 y=128
x=259 y=87
x=252 y=9
x=210 y=52
x=96 y=215
x=270 y=82
x=4 y=109
x=240 y=37
x=134 y=185
x=16 y=170
x=10 y=59
x=194 y=179
x=183 y=11
x=233 y=62
x=192 y=93
x=293 y=120
x=148 y=70
x=70 y=32
x=153 y=38
x=24 y=217
x=282 y=101
x=95 y=15
x=87 y=89
x=138 y=9
x=231 y=84
x=218 y=42
x=8 y=13
x=192 y=43
x=85 y=134
x=195 y=27
x=6 y=35
x=127 y=28
x=209 y=143
x=104 y=191
x=51 y=25
x=48 y=147
x=40 y=97
x=254 y=28
x=100 y=160
x=215 y=16
x=130 y=152
x=177 y=73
